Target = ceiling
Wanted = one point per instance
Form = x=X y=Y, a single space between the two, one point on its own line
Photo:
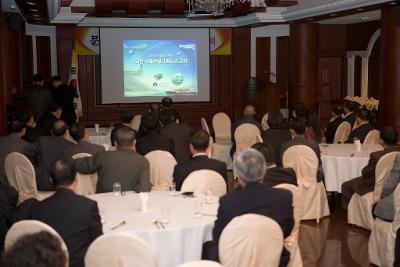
x=354 y=18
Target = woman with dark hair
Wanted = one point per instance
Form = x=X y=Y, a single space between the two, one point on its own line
x=313 y=129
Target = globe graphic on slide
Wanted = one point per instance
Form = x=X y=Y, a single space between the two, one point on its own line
x=158 y=76
x=177 y=79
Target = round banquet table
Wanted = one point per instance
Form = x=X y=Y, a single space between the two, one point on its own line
x=341 y=163
x=184 y=234
x=100 y=138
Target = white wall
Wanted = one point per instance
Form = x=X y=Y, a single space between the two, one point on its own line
x=272 y=31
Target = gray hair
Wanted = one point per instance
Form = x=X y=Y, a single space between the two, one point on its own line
x=250 y=165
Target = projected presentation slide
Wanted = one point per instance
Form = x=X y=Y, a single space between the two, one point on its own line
x=160 y=67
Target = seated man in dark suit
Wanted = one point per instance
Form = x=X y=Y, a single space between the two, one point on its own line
x=178 y=132
x=366 y=183
x=297 y=129
x=348 y=113
x=333 y=124
x=275 y=175
x=126 y=117
x=46 y=151
x=8 y=203
x=81 y=136
x=75 y=218
x=252 y=197
x=362 y=128
x=166 y=104
x=32 y=133
x=155 y=109
x=124 y=165
x=152 y=139
x=46 y=121
x=199 y=145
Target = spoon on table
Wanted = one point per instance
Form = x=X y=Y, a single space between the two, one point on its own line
x=118 y=225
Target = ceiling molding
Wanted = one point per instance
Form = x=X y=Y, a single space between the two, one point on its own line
x=66 y=17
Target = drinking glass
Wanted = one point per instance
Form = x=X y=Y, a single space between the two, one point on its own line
x=165 y=215
x=117 y=189
x=172 y=189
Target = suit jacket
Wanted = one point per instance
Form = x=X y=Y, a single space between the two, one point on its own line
x=360 y=132
x=276 y=137
x=39 y=100
x=299 y=140
x=351 y=118
x=124 y=165
x=8 y=203
x=196 y=163
x=8 y=144
x=82 y=147
x=154 y=141
x=331 y=129
x=45 y=123
x=259 y=199
x=32 y=134
x=43 y=154
x=277 y=175
x=75 y=218
x=180 y=135
x=64 y=96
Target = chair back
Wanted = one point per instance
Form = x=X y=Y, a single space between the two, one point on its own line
x=120 y=250
x=202 y=181
x=162 y=165
x=30 y=227
x=264 y=122
x=372 y=138
x=251 y=240
x=204 y=125
x=342 y=133
x=200 y=264
x=246 y=136
x=382 y=171
x=396 y=200
x=135 y=123
x=21 y=175
x=87 y=183
x=304 y=162
x=222 y=128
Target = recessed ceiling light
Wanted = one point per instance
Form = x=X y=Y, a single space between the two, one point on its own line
x=360 y=9
x=365 y=18
x=31 y=3
x=35 y=15
x=332 y=15
x=33 y=10
x=310 y=19
x=392 y=3
x=13 y=6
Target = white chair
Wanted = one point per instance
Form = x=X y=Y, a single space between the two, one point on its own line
x=359 y=211
x=251 y=240
x=202 y=181
x=21 y=175
x=372 y=138
x=200 y=264
x=162 y=165
x=87 y=183
x=222 y=128
x=30 y=227
x=305 y=163
x=120 y=250
x=383 y=236
x=291 y=242
x=204 y=125
x=264 y=122
x=135 y=123
x=246 y=136
x=342 y=133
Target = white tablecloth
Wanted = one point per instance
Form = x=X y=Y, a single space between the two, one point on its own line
x=341 y=163
x=100 y=138
x=184 y=235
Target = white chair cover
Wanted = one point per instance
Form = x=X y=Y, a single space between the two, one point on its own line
x=264 y=122
x=21 y=175
x=204 y=125
x=246 y=136
x=30 y=227
x=222 y=128
x=372 y=138
x=135 y=123
x=291 y=242
x=251 y=240
x=87 y=183
x=162 y=165
x=359 y=211
x=305 y=163
x=342 y=133
x=202 y=181
x=120 y=250
x=383 y=236
x=221 y=152
x=200 y=264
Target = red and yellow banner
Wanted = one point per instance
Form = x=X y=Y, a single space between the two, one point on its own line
x=87 y=41
x=220 y=41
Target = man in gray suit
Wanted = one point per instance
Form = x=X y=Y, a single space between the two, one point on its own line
x=124 y=165
x=11 y=143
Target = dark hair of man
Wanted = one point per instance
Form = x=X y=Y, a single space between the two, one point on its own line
x=150 y=122
x=17 y=126
x=337 y=109
x=349 y=105
x=37 y=77
x=301 y=110
x=77 y=131
x=41 y=249
x=267 y=151
x=298 y=125
x=155 y=108
x=363 y=114
x=389 y=135
x=55 y=78
x=166 y=102
x=59 y=128
x=126 y=116
x=53 y=107
x=275 y=119
x=63 y=173
x=200 y=140
x=24 y=116
x=124 y=136
x=166 y=116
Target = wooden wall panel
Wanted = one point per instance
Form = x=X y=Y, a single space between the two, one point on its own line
x=28 y=60
x=263 y=60
x=359 y=34
x=65 y=42
x=282 y=57
x=43 y=55
x=2 y=84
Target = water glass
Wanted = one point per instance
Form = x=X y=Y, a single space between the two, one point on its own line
x=165 y=215
x=172 y=189
x=117 y=189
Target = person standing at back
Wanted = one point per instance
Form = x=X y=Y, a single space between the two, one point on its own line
x=166 y=104
x=64 y=96
x=39 y=98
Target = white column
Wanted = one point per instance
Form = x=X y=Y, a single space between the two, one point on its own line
x=364 y=76
x=273 y=56
x=350 y=74
x=34 y=54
